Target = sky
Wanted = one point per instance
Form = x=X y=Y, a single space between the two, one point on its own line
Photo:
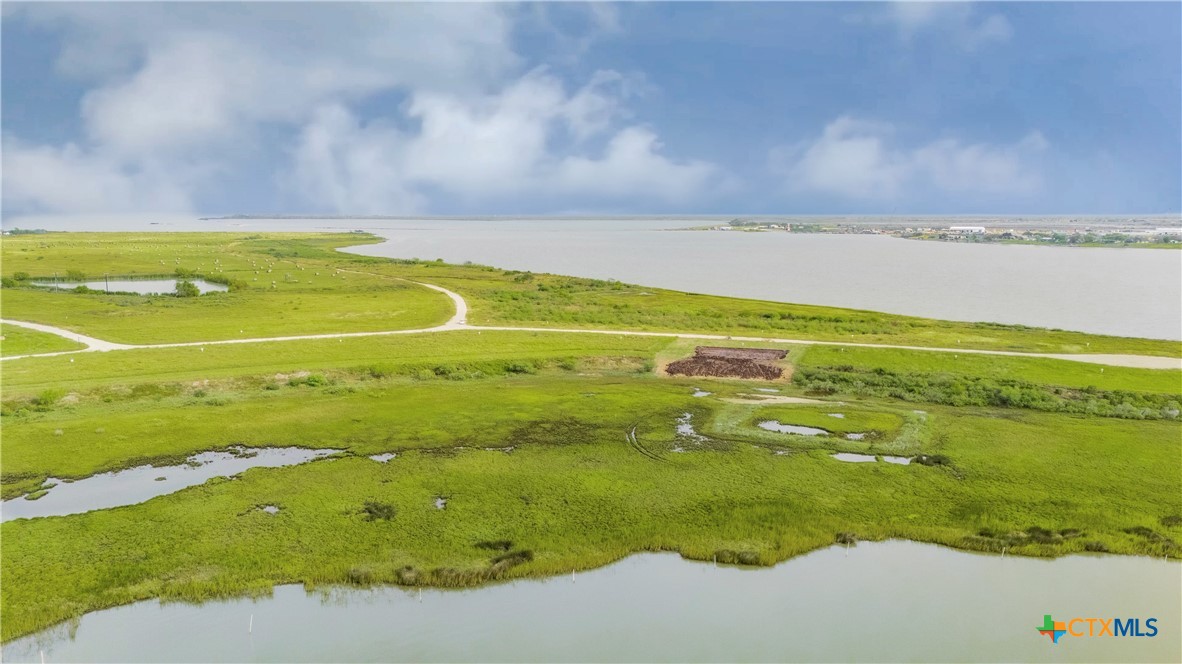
x=569 y=108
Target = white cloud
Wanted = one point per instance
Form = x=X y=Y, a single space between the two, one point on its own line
x=188 y=92
x=850 y=158
x=858 y=159
x=632 y=165
x=959 y=21
x=492 y=147
x=70 y=179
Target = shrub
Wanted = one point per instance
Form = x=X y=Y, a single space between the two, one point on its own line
x=408 y=576
x=374 y=510
x=6 y=282
x=846 y=538
x=748 y=558
x=75 y=275
x=20 y=276
x=933 y=460
x=521 y=368
x=48 y=398
x=186 y=288
x=1171 y=520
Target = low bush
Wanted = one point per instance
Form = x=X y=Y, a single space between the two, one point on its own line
x=375 y=511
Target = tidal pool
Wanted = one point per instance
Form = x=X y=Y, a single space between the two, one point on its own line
x=772 y=425
x=136 y=485
x=875 y=602
x=141 y=286
x=901 y=460
x=854 y=458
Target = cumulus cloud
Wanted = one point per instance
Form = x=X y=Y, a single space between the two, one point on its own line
x=861 y=159
x=490 y=147
x=179 y=96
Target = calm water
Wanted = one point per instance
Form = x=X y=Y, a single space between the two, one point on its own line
x=887 y=601
x=1134 y=292
x=136 y=485
x=141 y=286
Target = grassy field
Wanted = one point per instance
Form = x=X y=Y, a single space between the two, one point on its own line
x=528 y=435
x=394 y=354
x=571 y=494
x=313 y=293
x=1035 y=370
x=281 y=284
x=20 y=341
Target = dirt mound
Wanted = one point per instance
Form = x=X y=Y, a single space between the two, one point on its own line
x=754 y=354
x=730 y=363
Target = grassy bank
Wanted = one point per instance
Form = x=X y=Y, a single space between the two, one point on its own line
x=498 y=297
x=280 y=284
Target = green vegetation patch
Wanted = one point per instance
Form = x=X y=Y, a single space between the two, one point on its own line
x=1028 y=369
x=22 y=341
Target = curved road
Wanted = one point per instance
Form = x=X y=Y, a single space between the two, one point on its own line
x=459 y=322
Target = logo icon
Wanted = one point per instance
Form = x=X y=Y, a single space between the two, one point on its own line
x=1053 y=630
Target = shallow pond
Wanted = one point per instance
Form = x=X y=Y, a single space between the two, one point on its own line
x=901 y=460
x=384 y=458
x=854 y=458
x=136 y=485
x=772 y=425
x=141 y=286
x=876 y=601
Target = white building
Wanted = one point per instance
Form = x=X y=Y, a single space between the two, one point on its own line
x=967 y=229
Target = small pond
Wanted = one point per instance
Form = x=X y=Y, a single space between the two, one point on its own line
x=854 y=458
x=772 y=425
x=870 y=458
x=136 y=485
x=141 y=286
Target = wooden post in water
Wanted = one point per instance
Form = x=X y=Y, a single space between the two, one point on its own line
x=106 y=284
x=250 y=628
x=420 y=595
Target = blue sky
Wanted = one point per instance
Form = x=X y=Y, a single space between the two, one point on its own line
x=701 y=108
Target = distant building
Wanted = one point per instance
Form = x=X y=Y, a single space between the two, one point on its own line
x=967 y=229
x=1168 y=231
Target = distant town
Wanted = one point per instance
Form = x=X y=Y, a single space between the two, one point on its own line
x=1140 y=232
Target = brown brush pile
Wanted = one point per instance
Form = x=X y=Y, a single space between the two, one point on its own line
x=730 y=363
